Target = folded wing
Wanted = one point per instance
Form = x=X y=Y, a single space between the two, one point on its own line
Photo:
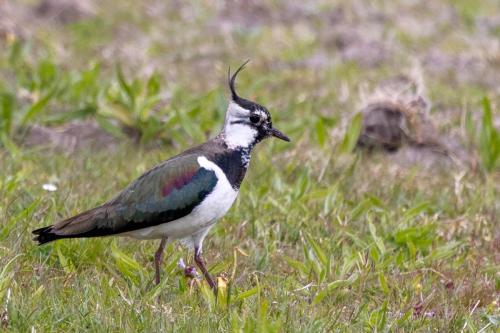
x=161 y=195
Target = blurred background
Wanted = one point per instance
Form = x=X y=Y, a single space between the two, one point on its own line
x=130 y=65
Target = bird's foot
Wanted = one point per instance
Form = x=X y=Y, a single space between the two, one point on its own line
x=189 y=271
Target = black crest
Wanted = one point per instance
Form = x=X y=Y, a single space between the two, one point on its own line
x=244 y=103
x=232 y=80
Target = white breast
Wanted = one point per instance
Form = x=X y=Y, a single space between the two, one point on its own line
x=215 y=205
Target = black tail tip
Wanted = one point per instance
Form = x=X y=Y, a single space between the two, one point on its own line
x=44 y=235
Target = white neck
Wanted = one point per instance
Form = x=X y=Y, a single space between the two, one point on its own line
x=238 y=135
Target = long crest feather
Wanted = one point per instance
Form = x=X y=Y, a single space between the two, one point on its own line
x=232 y=80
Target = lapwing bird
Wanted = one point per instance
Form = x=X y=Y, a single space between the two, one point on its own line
x=182 y=197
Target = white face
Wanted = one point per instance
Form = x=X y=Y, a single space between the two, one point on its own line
x=237 y=132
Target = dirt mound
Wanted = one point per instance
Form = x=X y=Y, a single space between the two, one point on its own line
x=396 y=119
x=70 y=137
x=64 y=11
x=22 y=20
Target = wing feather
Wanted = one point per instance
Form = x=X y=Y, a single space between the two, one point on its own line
x=163 y=194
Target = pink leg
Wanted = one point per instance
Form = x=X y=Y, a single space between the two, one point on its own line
x=158 y=259
x=201 y=264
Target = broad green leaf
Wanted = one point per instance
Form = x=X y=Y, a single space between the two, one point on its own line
x=109 y=127
x=301 y=267
x=318 y=252
x=333 y=286
x=7 y=106
x=489 y=138
x=125 y=86
x=352 y=134
x=66 y=263
x=248 y=293
x=38 y=106
x=363 y=207
x=378 y=241
x=126 y=264
x=383 y=283
x=153 y=85
x=321 y=132
x=443 y=252
x=6 y=277
x=68 y=116
x=416 y=210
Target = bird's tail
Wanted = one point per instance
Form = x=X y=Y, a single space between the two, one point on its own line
x=44 y=235
x=85 y=224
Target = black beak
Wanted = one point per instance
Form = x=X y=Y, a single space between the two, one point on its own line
x=278 y=134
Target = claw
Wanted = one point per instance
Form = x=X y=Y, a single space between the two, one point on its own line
x=189 y=271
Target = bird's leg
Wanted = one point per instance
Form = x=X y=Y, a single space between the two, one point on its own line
x=158 y=259
x=201 y=264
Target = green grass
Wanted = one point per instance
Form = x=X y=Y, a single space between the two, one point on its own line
x=366 y=253
x=322 y=238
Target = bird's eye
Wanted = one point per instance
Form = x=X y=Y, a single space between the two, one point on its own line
x=254 y=118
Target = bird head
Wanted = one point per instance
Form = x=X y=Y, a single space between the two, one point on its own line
x=247 y=122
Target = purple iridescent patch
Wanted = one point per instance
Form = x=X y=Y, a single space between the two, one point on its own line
x=177 y=183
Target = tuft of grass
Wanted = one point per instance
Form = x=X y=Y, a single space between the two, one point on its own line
x=485 y=136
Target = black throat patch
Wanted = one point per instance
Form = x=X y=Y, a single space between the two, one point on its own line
x=234 y=164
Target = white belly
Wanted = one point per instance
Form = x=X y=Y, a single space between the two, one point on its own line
x=215 y=205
